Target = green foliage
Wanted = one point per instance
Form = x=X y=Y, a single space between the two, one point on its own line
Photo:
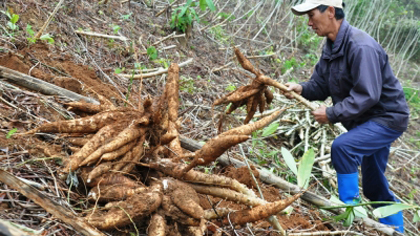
x=269 y=130
x=183 y=17
x=152 y=53
x=395 y=208
x=291 y=64
x=13 y=19
x=127 y=16
x=305 y=168
x=11 y=133
x=227 y=16
x=115 y=28
x=231 y=87
x=32 y=39
x=306 y=39
x=186 y=84
x=304 y=171
x=290 y=160
x=207 y=4
x=48 y=38
x=351 y=211
x=119 y=70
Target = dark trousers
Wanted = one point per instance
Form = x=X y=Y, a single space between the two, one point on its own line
x=366 y=145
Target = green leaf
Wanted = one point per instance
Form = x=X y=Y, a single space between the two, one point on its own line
x=350 y=217
x=388 y=210
x=117 y=70
x=14 y=18
x=290 y=161
x=270 y=129
x=360 y=211
x=416 y=217
x=210 y=4
x=203 y=5
x=305 y=168
x=29 y=30
x=152 y=52
x=11 y=132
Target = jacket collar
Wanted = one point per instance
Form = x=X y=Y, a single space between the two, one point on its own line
x=330 y=52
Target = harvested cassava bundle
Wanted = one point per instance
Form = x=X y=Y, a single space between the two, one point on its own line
x=256 y=95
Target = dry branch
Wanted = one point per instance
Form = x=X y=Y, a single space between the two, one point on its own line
x=152 y=74
x=92 y=34
x=50 y=206
x=38 y=35
x=32 y=83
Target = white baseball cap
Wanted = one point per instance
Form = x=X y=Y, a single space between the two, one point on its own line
x=309 y=5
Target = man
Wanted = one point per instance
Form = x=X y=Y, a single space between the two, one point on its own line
x=368 y=100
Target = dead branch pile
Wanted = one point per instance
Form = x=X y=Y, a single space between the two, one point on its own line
x=114 y=140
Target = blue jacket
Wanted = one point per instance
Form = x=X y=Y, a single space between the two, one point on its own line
x=354 y=70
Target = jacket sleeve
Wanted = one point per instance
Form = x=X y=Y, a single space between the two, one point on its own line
x=365 y=66
x=317 y=87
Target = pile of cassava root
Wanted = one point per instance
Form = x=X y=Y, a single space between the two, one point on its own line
x=113 y=141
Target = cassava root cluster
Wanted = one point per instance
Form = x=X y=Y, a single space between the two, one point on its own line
x=114 y=140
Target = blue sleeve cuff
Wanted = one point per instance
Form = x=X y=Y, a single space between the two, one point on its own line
x=331 y=116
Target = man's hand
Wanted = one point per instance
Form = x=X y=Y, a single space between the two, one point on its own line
x=297 y=88
x=320 y=115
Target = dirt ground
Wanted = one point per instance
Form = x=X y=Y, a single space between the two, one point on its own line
x=86 y=66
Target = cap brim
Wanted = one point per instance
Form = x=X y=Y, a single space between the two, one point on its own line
x=303 y=8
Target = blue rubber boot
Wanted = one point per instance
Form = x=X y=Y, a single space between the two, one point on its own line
x=395 y=220
x=348 y=188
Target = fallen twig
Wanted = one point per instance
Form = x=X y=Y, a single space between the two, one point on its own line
x=50 y=206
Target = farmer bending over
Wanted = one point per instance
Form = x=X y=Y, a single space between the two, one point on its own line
x=368 y=100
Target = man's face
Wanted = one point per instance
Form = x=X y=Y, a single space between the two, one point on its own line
x=319 y=22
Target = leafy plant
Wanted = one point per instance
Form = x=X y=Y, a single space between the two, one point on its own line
x=303 y=173
x=152 y=53
x=13 y=19
x=231 y=87
x=115 y=28
x=186 y=84
x=183 y=17
x=395 y=208
x=11 y=133
x=48 y=38
x=32 y=39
